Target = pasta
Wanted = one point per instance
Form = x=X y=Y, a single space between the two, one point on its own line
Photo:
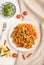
x=24 y=35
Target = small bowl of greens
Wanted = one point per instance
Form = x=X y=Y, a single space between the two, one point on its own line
x=8 y=9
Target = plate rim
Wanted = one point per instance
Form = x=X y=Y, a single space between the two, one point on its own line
x=14 y=44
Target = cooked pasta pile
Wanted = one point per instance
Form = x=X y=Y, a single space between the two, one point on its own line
x=24 y=35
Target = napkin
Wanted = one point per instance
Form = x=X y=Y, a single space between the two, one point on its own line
x=36 y=5
x=37 y=57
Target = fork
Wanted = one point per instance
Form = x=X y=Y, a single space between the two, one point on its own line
x=3 y=29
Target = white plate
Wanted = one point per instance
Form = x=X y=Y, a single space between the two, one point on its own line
x=36 y=25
